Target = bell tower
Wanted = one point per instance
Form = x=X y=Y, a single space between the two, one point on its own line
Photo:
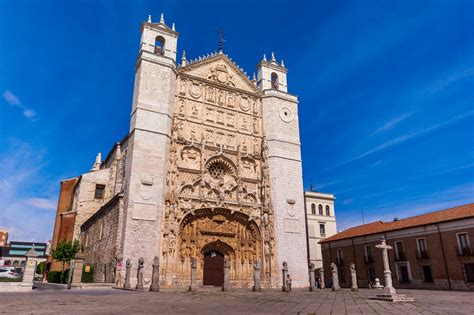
x=148 y=142
x=281 y=132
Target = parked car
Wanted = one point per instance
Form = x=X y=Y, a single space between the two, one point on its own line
x=9 y=273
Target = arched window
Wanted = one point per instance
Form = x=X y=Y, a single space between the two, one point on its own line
x=275 y=82
x=159 y=45
x=320 y=208
x=313 y=208
x=327 y=211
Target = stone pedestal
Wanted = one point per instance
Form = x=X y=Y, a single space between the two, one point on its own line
x=77 y=270
x=377 y=284
x=389 y=293
x=312 y=285
x=155 y=277
x=335 y=278
x=354 y=286
x=141 y=263
x=128 y=267
x=192 y=286
x=284 y=271
x=321 y=278
x=30 y=268
x=256 y=276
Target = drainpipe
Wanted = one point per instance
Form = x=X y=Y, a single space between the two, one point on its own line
x=444 y=257
x=307 y=237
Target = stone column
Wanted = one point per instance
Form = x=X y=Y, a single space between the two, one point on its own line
x=311 y=277
x=141 y=262
x=128 y=268
x=192 y=286
x=226 y=285
x=321 y=278
x=354 y=286
x=284 y=272
x=155 y=277
x=389 y=289
x=335 y=278
x=76 y=269
x=256 y=276
x=30 y=268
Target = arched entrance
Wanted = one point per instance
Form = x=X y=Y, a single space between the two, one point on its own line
x=213 y=268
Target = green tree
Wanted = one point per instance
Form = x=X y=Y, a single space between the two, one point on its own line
x=41 y=269
x=64 y=252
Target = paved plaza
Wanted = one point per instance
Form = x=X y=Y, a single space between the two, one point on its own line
x=113 y=301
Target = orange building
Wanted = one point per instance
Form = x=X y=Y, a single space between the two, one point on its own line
x=3 y=238
x=65 y=218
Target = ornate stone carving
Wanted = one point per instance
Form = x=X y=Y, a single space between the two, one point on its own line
x=195 y=90
x=191 y=157
x=220 y=74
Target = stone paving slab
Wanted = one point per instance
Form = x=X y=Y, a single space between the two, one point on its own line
x=113 y=301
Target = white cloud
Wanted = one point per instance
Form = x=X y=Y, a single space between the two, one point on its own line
x=42 y=203
x=13 y=100
x=393 y=122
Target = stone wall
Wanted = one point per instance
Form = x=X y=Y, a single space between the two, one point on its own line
x=101 y=239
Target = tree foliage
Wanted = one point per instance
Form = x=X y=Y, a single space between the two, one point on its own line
x=65 y=251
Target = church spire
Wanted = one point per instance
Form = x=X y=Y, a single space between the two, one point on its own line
x=183 y=59
x=98 y=161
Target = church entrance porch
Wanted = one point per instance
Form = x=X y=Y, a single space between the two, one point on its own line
x=213 y=268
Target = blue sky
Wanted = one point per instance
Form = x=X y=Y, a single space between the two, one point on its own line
x=385 y=88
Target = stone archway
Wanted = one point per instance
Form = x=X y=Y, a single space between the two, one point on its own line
x=232 y=234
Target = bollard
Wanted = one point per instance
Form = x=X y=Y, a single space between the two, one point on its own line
x=155 y=277
x=141 y=262
x=128 y=267
x=335 y=278
x=284 y=272
x=321 y=278
x=256 y=276
x=192 y=286
x=311 y=277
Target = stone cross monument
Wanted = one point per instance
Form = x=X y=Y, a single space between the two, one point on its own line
x=128 y=267
x=354 y=286
x=155 y=277
x=256 y=276
x=389 y=289
x=30 y=268
x=335 y=278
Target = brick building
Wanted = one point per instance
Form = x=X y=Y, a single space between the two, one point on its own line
x=430 y=251
x=3 y=238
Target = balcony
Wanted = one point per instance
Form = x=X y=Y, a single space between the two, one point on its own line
x=400 y=257
x=369 y=259
x=423 y=254
x=464 y=251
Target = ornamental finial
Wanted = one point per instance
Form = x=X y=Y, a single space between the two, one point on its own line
x=273 y=56
x=162 y=18
x=149 y=18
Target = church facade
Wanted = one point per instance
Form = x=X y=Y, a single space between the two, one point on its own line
x=210 y=170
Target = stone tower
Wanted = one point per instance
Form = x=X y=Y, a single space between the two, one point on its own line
x=148 y=141
x=281 y=132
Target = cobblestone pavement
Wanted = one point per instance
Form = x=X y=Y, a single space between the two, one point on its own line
x=113 y=301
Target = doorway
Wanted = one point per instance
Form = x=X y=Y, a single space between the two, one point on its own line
x=213 y=268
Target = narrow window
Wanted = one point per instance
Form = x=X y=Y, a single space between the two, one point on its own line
x=368 y=254
x=101 y=231
x=427 y=275
x=340 y=257
x=99 y=191
x=313 y=208
x=469 y=272
x=328 y=212
x=275 y=83
x=463 y=243
x=320 y=208
x=322 y=230
x=400 y=251
x=159 y=45
x=422 y=248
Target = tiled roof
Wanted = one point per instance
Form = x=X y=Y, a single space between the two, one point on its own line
x=456 y=213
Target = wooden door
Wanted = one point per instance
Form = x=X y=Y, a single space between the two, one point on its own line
x=213 y=268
